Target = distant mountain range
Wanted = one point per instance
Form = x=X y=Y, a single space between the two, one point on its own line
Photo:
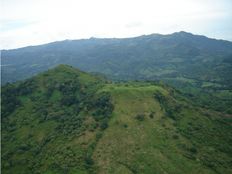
x=177 y=57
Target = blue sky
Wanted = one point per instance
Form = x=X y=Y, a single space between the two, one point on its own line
x=33 y=22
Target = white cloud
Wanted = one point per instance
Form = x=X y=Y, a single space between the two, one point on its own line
x=41 y=21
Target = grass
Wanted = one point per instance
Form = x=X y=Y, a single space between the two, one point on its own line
x=147 y=146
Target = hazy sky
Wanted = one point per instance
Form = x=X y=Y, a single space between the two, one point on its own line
x=32 y=22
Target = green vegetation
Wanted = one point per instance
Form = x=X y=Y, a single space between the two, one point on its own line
x=214 y=97
x=67 y=121
x=50 y=123
x=179 y=138
x=199 y=66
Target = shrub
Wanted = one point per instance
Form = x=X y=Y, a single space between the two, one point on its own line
x=151 y=115
x=160 y=97
x=125 y=126
x=24 y=147
x=175 y=136
x=193 y=149
x=98 y=135
x=140 y=117
x=104 y=124
x=69 y=100
x=89 y=161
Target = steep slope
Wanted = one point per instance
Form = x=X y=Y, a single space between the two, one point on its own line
x=67 y=121
x=167 y=57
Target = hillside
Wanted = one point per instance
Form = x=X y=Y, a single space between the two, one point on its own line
x=68 y=121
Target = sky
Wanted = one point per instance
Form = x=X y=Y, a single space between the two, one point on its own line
x=34 y=22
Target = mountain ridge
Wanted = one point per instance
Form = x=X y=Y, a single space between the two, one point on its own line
x=184 y=33
x=100 y=55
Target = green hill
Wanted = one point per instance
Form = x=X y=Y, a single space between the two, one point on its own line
x=68 y=121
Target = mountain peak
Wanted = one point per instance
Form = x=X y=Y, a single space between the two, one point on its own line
x=67 y=68
x=62 y=74
x=61 y=67
x=183 y=33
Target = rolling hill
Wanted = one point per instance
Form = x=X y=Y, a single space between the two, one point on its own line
x=68 y=121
